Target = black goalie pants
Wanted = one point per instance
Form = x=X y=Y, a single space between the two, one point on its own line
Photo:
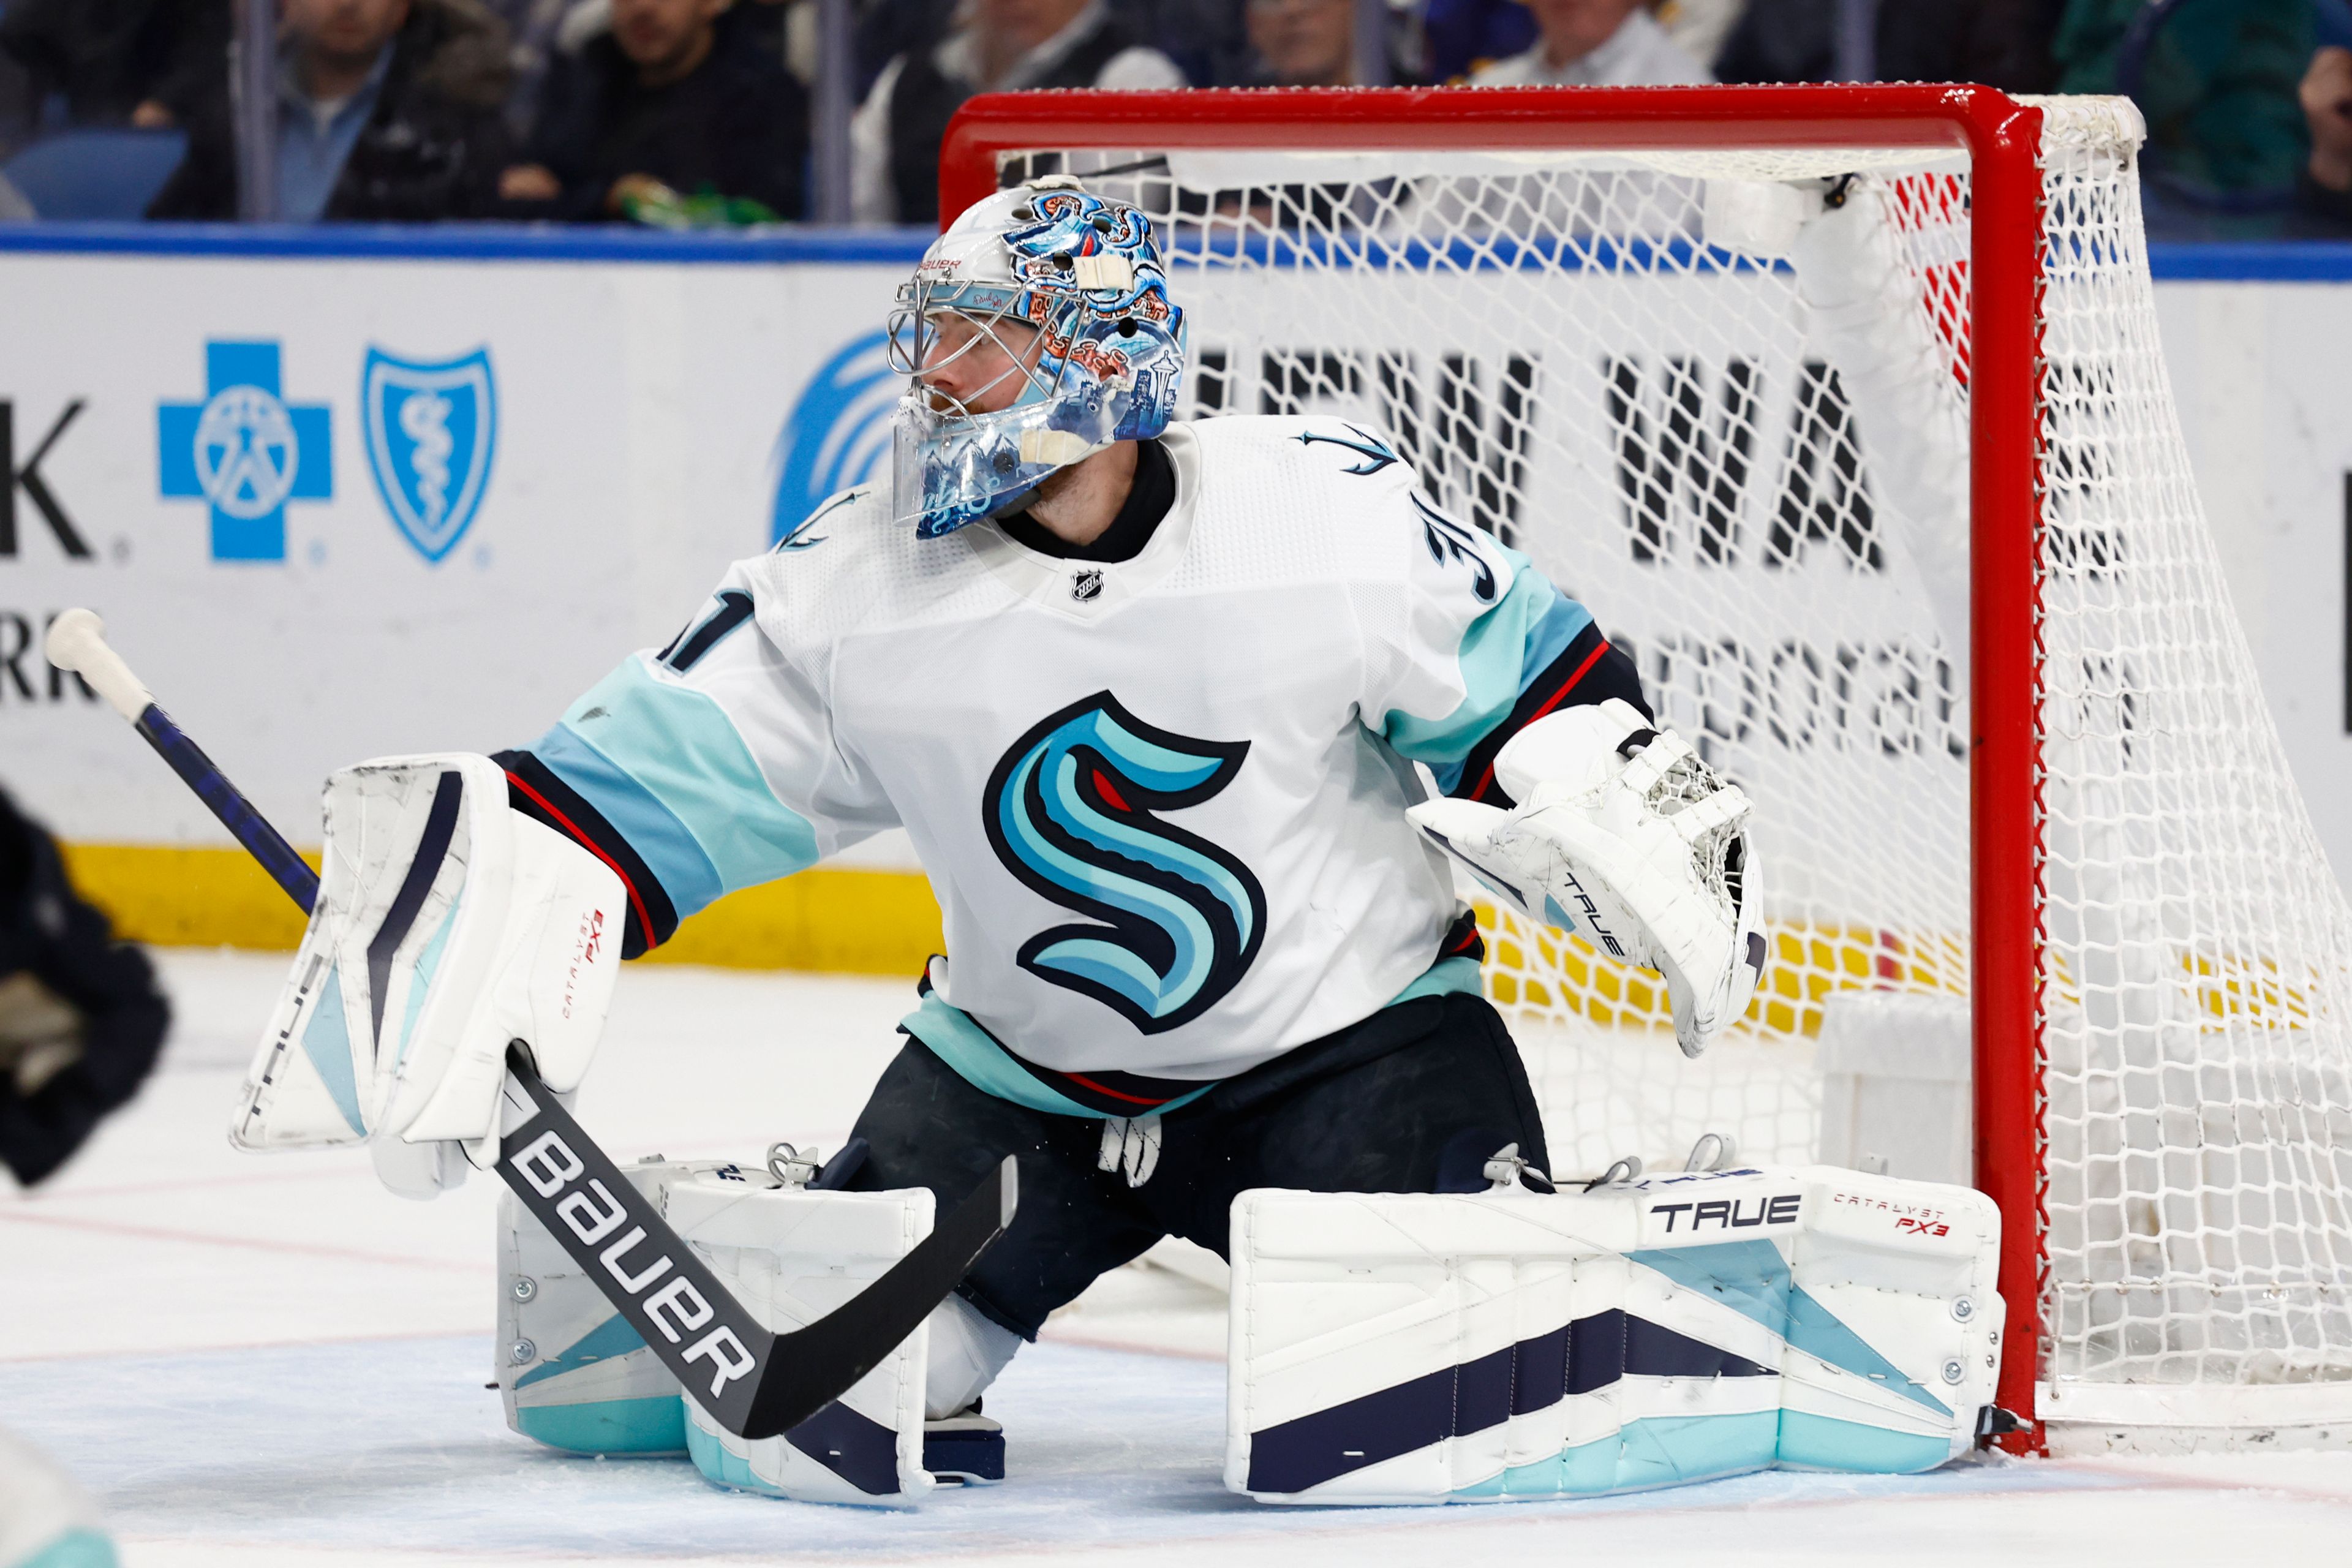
x=1414 y=1099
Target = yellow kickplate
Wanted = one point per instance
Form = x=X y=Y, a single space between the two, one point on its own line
x=855 y=921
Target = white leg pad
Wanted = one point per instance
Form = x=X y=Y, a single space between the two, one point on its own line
x=1509 y=1344
x=576 y=1376
x=966 y=1353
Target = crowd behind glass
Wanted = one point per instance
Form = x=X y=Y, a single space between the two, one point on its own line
x=698 y=113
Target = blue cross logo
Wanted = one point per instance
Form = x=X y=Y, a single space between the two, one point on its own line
x=246 y=450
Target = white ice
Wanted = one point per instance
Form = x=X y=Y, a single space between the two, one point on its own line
x=270 y=1361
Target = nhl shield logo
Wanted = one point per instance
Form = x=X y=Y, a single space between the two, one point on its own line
x=432 y=431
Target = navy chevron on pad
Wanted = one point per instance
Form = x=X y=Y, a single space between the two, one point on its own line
x=1581 y=1357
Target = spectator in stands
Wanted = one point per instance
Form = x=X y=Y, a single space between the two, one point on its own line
x=388 y=111
x=1308 y=43
x=667 y=105
x=2000 y=43
x=2218 y=85
x=114 y=62
x=1595 y=43
x=1461 y=37
x=2325 y=187
x=995 y=46
x=531 y=27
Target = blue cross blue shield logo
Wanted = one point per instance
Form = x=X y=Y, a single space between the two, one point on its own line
x=432 y=430
x=244 y=451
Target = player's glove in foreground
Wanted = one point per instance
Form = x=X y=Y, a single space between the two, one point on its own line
x=1624 y=837
x=447 y=925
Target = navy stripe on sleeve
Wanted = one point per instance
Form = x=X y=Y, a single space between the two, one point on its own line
x=1590 y=671
x=533 y=789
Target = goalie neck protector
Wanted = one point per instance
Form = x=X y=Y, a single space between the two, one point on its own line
x=1070 y=287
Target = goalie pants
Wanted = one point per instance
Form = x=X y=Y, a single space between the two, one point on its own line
x=1416 y=1099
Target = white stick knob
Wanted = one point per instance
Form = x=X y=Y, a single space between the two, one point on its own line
x=78 y=643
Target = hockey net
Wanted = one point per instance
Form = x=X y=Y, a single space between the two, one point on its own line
x=1722 y=395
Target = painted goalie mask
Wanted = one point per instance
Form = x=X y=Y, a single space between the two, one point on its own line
x=1070 y=287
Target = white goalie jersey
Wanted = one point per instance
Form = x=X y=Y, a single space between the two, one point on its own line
x=1162 y=801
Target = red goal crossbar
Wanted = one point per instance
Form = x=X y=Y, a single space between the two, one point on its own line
x=2002 y=139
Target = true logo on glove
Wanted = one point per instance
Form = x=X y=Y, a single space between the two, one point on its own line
x=592 y=1214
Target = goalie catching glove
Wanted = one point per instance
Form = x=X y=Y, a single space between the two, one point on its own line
x=447 y=925
x=1623 y=836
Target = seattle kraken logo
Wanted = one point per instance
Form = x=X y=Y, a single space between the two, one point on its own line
x=432 y=431
x=1070 y=810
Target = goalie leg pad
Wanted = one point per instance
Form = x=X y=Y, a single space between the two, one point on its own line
x=572 y=1373
x=1414 y=1348
x=575 y=1375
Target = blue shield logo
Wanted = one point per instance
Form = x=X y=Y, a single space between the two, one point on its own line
x=432 y=431
x=837 y=433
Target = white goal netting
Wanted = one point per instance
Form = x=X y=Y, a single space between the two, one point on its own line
x=1722 y=398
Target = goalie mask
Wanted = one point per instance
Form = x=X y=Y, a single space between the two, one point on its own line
x=1069 y=288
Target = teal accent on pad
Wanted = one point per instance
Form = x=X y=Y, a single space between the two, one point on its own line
x=1750 y=1277
x=1674 y=1450
x=1447 y=978
x=1753 y=1278
x=75 y=1549
x=1545 y=1478
x=1501 y=652
x=1653 y=1452
x=612 y=1337
x=1809 y=1442
x=1556 y=915
x=327 y=1041
x=988 y=1066
x=653 y=1425
x=1818 y=1332
x=670 y=772
x=721 y=1468
x=427 y=962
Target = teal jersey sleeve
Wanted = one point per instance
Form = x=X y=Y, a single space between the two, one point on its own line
x=703 y=767
x=1472 y=642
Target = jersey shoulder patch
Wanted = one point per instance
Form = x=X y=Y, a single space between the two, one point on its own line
x=851 y=512
x=1340 y=494
x=1307 y=447
x=850 y=566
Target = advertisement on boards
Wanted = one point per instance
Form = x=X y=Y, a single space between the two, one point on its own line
x=339 y=506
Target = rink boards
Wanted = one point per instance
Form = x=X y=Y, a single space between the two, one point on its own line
x=348 y=495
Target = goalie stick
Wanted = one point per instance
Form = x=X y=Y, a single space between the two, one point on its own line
x=753 y=1382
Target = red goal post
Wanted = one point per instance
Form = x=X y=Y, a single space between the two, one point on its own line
x=2016 y=540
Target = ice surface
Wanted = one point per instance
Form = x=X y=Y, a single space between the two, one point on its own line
x=269 y=1361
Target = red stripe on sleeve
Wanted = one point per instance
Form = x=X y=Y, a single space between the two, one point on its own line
x=645 y=921
x=1550 y=702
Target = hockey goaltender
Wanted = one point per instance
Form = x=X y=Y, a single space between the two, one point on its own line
x=1161 y=706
